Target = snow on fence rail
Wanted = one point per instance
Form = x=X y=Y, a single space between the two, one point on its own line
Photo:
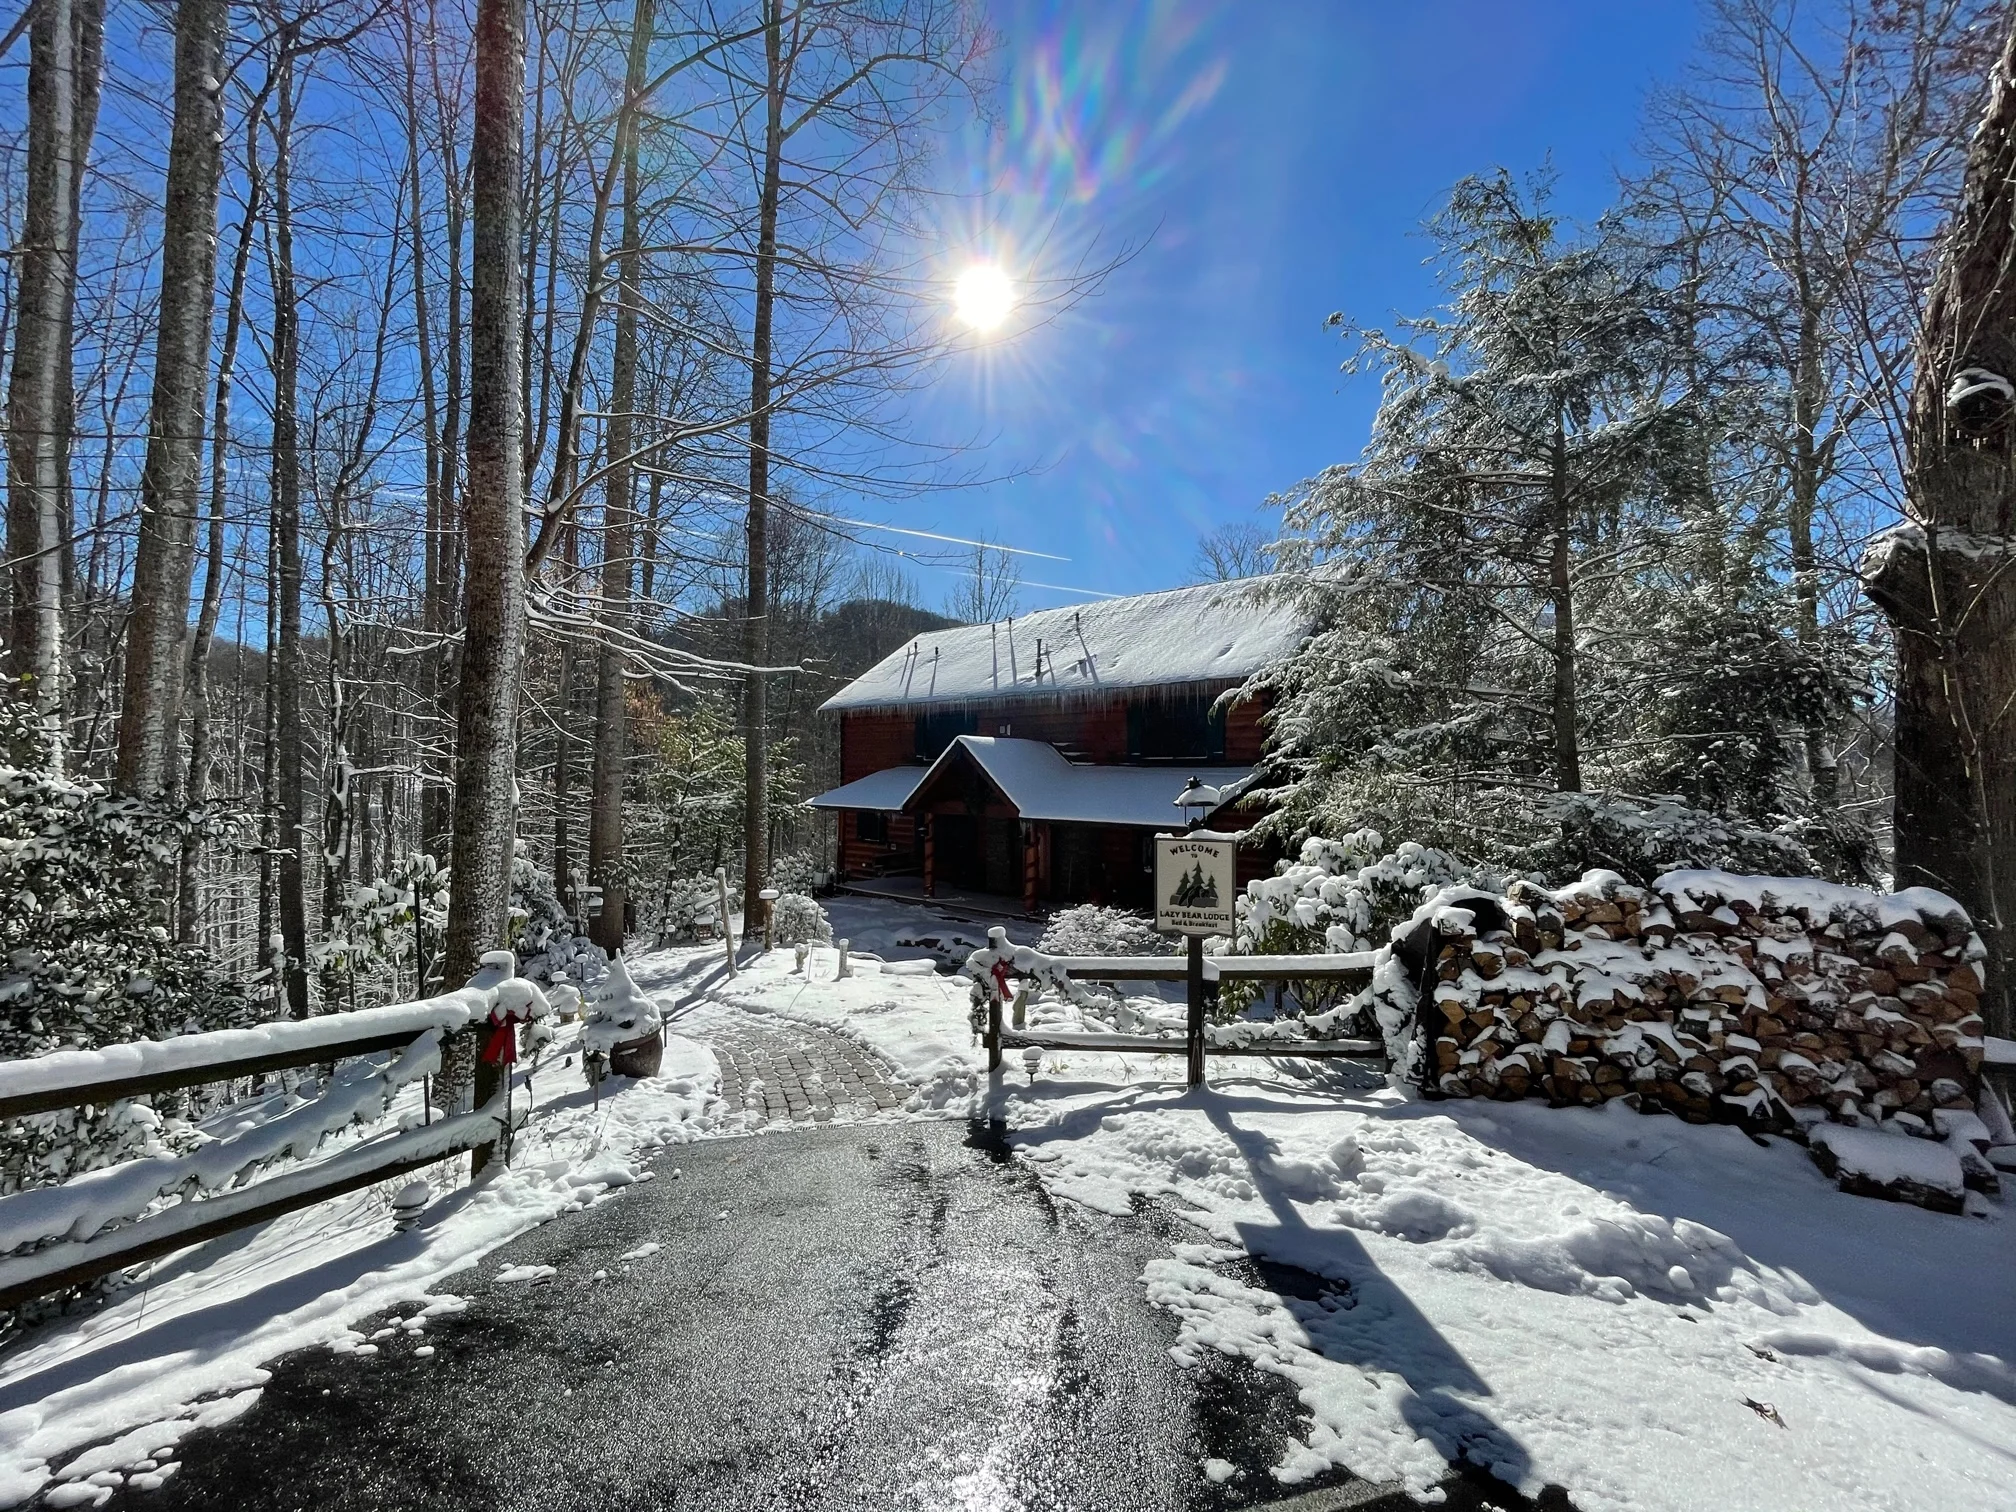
x=39 y=1272
x=70 y=1078
x=97 y=1222
x=999 y=959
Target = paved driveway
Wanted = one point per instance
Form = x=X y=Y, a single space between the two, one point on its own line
x=873 y=1315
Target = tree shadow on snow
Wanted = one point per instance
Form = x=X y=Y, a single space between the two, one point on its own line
x=1373 y=1325
x=1913 y=1276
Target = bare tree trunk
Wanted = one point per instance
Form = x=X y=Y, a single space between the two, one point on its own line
x=1809 y=398
x=291 y=764
x=1561 y=596
x=563 y=753
x=493 y=645
x=65 y=52
x=189 y=900
x=756 y=607
x=438 y=823
x=170 y=478
x=1944 y=580
x=433 y=622
x=605 y=813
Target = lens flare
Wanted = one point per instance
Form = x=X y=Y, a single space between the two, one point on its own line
x=983 y=297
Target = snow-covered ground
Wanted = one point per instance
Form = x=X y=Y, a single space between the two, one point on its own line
x=1650 y=1314
x=187 y=1345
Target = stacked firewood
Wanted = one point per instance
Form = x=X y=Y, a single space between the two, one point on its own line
x=1770 y=1002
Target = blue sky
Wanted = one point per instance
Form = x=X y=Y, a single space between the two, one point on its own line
x=1271 y=162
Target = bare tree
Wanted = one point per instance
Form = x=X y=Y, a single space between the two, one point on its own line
x=605 y=826
x=1804 y=154
x=1238 y=550
x=66 y=49
x=990 y=588
x=1944 y=579
x=493 y=613
x=170 y=483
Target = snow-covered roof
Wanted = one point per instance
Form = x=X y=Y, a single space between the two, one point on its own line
x=1213 y=633
x=887 y=790
x=1043 y=785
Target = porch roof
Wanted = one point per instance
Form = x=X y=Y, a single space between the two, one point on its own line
x=1042 y=785
x=887 y=790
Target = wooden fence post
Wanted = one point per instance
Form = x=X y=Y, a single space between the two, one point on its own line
x=993 y=1032
x=1194 y=980
x=727 y=925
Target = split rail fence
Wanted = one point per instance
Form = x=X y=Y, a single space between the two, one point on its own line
x=1196 y=970
x=80 y=1078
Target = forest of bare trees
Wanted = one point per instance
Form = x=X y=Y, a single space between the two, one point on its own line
x=436 y=434
x=421 y=417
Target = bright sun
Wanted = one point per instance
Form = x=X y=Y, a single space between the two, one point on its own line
x=983 y=296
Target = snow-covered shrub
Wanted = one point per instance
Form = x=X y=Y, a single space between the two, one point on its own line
x=1089 y=930
x=84 y=958
x=1337 y=895
x=617 y=1012
x=370 y=948
x=795 y=872
x=542 y=931
x=684 y=904
x=799 y=920
x=1642 y=838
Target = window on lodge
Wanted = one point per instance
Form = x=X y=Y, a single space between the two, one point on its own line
x=871 y=828
x=1184 y=729
x=938 y=730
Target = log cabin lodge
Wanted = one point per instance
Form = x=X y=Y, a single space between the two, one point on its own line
x=1031 y=762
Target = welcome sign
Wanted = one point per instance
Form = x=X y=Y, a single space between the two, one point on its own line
x=1195 y=883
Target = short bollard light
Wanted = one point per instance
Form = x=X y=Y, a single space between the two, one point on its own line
x=843 y=971
x=801 y=952
x=409 y=1204
x=1032 y=1062
x=769 y=899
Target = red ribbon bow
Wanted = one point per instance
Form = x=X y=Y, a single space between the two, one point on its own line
x=502 y=1047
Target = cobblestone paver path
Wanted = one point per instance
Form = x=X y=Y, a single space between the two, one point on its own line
x=776 y=1071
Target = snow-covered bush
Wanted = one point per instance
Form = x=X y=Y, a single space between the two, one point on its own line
x=684 y=904
x=542 y=931
x=370 y=948
x=1089 y=930
x=617 y=1012
x=1337 y=895
x=1642 y=838
x=795 y=872
x=799 y=920
x=84 y=958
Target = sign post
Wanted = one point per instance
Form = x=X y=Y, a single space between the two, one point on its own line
x=1195 y=882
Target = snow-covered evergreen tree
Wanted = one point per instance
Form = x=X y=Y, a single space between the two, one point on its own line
x=1535 y=621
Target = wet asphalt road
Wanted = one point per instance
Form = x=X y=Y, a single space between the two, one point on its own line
x=886 y=1316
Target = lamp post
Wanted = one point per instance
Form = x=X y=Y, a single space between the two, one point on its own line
x=1198 y=798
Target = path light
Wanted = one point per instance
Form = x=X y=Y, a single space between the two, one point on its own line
x=1196 y=800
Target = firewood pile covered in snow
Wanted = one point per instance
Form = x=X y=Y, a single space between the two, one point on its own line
x=1782 y=1003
